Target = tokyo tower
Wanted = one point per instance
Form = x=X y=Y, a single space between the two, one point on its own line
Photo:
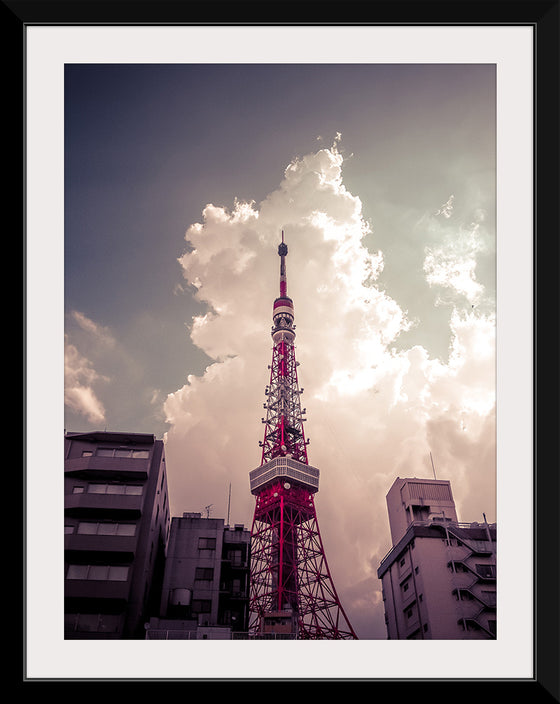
x=291 y=589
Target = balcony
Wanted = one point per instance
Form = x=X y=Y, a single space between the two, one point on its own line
x=485 y=573
x=96 y=589
x=475 y=624
x=230 y=592
x=100 y=543
x=99 y=466
x=99 y=503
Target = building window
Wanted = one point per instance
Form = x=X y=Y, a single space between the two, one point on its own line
x=123 y=452
x=110 y=573
x=118 y=573
x=126 y=489
x=97 y=489
x=77 y=572
x=201 y=606
x=98 y=572
x=486 y=570
x=133 y=490
x=124 y=529
x=207 y=543
x=90 y=528
x=236 y=557
x=140 y=454
x=105 y=452
x=78 y=489
x=204 y=574
x=87 y=453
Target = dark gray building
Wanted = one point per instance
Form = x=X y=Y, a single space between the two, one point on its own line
x=205 y=592
x=116 y=525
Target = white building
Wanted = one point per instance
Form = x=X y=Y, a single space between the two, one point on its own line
x=439 y=578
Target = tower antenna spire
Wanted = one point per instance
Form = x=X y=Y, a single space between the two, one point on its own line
x=283 y=253
x=290 y=580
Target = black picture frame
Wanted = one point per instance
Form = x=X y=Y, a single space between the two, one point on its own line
x=543 y=17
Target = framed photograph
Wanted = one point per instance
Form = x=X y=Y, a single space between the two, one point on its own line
x=408 y=167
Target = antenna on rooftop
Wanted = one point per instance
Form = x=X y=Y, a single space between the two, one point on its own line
x=228 y=503
x=207 y=509
x=433 y=468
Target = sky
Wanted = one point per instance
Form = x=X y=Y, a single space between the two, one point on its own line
x=179 y=180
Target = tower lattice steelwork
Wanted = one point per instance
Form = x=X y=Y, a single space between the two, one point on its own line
x=292 y=591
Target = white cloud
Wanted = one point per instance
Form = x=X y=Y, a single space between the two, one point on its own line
x=102 y=334
x=452 y=265
x=374 y=413
x=447 y=208
x=79 y=377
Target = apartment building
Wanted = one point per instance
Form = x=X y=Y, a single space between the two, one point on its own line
x=439 y=578
x=205 y=592
x=116 y=525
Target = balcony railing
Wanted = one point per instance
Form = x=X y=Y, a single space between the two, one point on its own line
x=167 y=634
x=138 y=468
x=263 y=636
x=115 y=502
x=284 y=468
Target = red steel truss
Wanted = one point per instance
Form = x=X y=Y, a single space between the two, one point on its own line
x=292 y=592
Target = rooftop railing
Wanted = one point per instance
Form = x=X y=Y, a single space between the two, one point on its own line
x=441 y=524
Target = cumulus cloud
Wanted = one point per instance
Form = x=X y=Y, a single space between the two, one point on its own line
x=452 y=265
x=374 y=413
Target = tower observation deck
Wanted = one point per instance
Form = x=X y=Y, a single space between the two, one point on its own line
x=291 y=589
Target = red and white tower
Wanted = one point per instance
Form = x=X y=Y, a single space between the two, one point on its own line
x=292 y=591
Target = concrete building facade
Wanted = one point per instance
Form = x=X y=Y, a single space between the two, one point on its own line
x=116 y=525
x=205 y=591
x=439 y=578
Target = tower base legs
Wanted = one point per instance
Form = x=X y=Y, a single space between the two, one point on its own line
x=292 y=592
